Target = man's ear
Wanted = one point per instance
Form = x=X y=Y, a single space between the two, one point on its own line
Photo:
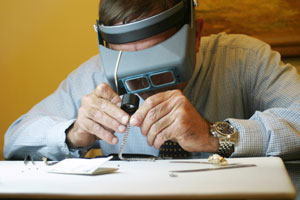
x=198 y=26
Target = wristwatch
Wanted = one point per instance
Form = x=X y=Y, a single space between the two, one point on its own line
x=227 y=136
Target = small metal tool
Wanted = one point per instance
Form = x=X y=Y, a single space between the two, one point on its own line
x=28 y=159
x=212 y=169
x=130 y=103
x=215 y=160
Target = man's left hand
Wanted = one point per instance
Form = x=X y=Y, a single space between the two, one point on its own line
x=170 y=116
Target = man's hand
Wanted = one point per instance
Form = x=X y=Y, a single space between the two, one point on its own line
x=170 y=116
x=98 y=118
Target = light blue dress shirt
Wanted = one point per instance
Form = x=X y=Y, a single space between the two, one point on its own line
x=236 y=77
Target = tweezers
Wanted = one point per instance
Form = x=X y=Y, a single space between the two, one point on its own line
x=230 y=166
x=27 y=159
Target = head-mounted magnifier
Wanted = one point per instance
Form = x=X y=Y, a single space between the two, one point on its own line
x=167 y=63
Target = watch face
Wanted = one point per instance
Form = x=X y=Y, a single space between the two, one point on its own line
x=224 y=128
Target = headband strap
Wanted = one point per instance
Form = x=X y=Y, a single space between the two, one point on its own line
x=144 y=28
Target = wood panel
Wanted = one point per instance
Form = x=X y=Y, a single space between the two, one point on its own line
x=276 y=22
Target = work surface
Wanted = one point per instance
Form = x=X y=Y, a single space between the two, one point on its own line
x=151 y=180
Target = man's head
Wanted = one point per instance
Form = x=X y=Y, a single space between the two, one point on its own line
x=118 y=12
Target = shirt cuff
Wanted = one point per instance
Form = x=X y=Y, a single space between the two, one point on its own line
x=251 y=141
x=57 y=146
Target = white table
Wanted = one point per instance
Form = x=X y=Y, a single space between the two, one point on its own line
x=150 y=180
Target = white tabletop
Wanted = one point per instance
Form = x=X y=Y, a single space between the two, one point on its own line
x=151 y=180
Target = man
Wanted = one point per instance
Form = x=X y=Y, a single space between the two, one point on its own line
x=236 y=79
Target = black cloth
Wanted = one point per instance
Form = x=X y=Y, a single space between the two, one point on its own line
x=171 y=149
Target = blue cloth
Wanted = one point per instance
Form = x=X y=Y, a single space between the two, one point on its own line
x=236 y=77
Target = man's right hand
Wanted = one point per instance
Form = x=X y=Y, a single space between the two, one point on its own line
x=98 y=117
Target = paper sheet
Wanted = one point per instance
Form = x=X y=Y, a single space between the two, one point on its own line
x=81 y=166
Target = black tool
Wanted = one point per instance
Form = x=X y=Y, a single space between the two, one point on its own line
x=130 y=103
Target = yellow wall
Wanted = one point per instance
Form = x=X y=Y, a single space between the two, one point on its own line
x=41 y=41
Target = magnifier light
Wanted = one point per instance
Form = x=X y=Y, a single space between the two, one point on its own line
x=167 y=63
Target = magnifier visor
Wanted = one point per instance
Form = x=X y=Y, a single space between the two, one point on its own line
x=167 y=63
x=137 y=84
x=149 y=81
x=161 y=79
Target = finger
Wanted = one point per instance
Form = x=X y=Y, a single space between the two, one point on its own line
x=138 y=117
x=105 y=120
x=115 y=112
x=99 y=131
x=112 y=110
x=158 y=127
x=164 y=135
x=104 y=91
x=159 y=112
x=159 y=140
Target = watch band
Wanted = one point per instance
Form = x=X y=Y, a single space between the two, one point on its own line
x=225 y=149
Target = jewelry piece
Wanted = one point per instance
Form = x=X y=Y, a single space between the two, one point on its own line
x=217 y=159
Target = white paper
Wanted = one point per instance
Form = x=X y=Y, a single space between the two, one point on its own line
x=81 y=166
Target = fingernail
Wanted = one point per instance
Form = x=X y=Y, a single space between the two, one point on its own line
x=119 y=104
x=124 y=119
x=115 y=141
x=133 y=121
x=121 y=128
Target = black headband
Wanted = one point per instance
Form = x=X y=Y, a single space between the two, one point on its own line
x=144 y=28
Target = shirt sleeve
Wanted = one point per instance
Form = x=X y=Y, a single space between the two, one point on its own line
x=41 y=132
x=274 y=128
